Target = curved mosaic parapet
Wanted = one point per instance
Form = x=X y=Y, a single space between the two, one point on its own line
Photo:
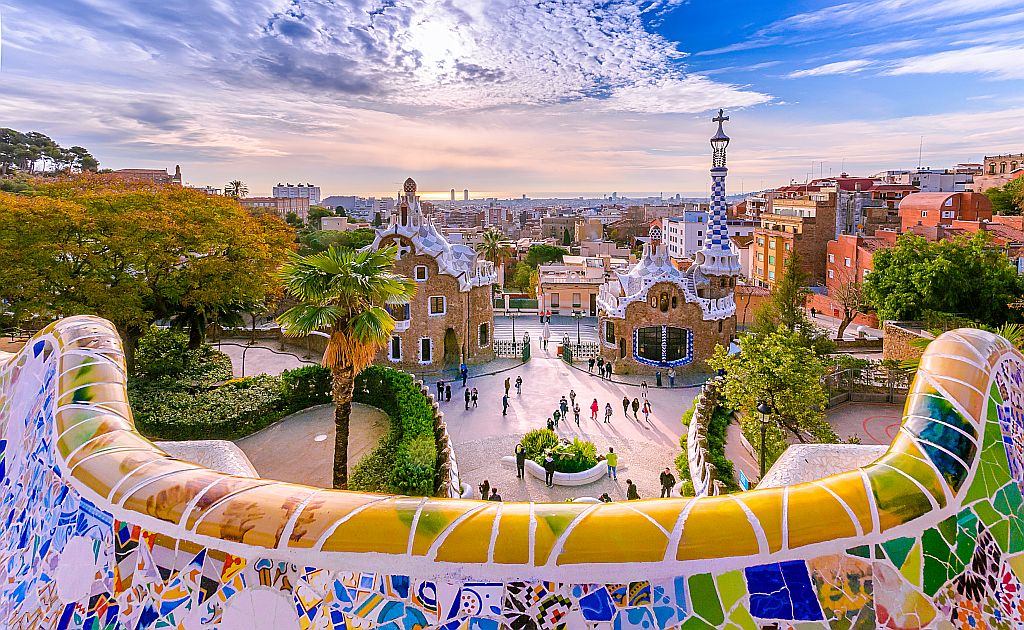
x=102 y=529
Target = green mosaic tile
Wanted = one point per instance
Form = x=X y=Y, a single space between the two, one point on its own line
x=940 y=563
x=1001 y=532
x=704 y=596
x=947 y=529
x=865 y=620
x=695 y=623
x=861 y=551
x=897 y=549
x=966 y=536
x=1016 y=536
x=911 y=569
x=731 y=588
x=741 y=619
x=879 y=553
x=986 y=512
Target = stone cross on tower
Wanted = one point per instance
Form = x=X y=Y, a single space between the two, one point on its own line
x=719 y=258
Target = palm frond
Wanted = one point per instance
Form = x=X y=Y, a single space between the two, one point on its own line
x=303 y=319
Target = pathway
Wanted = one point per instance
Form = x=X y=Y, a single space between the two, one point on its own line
x=300 y=447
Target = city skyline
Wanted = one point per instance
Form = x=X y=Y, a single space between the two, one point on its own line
x=581 y=96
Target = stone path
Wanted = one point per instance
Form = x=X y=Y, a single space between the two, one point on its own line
x=300 y=447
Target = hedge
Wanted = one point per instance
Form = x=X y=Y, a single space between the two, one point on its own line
x=570 y=457
x=716 y=430
x=406 y=460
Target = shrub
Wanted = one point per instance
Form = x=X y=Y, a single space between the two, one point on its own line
x=163 y=357
x=570 y=457
x=306 y=386
x=405 y=461
x=716 y=430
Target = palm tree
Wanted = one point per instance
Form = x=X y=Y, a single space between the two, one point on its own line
x=495 y=248
x=236 y=189
x=344 y=292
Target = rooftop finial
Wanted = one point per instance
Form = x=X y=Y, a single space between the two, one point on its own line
x=719 y=141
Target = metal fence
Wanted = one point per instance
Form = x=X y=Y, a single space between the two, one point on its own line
x=509 y=348
x=868 y=384
x=585 y=351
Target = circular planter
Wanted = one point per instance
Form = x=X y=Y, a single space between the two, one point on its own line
x=581 y=478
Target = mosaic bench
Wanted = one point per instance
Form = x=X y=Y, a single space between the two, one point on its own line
x=102 y=529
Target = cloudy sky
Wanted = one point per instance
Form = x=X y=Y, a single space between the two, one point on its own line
x=514 y=96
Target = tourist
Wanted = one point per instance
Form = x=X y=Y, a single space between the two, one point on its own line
x=464 y=371
x=557 y=415
x=814 y=311
x=612 y=459
x=484 y=489
x=604 y=498
x=643 y=389
x=671 y=377
x=608 y=369
x=476 y=398
x=600 y=367
x=667 y=481
x=549 y=469
x=631 y=493
x=551 y=424
x=594 y=408
x=625 y=406
x=519 y=386
x=576 y=414
x=495 y=496
x=572 y=396
x=504 y=405
x=563 y=404
x=440 y=391
x=657 y=378
x=447 y=392
x=590 y=365
x=647 y=410
x=520 y=461
x=468 y=395
x=608 y=413
x=508 y=385
x=636 y=408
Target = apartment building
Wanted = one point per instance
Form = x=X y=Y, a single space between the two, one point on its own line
x=804 y=223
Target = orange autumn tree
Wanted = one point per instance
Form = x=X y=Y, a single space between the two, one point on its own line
x=134 y=253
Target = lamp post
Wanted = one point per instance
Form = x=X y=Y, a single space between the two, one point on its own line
x=578 y=316
x=764 y=409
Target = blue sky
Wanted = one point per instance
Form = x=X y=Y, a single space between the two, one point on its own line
x=511 y=97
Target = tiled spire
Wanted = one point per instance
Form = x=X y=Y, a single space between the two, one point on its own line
x=719 y=258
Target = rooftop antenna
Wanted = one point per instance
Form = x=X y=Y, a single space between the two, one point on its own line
x=920 y=149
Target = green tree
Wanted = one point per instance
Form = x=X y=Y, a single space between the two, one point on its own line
x=785 y=308
x=1008 y=199
x=848 y=293
x=968 y=277
x=313 y=241
x=344 y=293
x=292 y=218
x=541 y=254
x=377 y=221
x=134 y=253
x=236 y=189
x=315 y=214
x=566 y=238
x=778 y=369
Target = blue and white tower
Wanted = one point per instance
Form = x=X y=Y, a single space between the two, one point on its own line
x=717 y=260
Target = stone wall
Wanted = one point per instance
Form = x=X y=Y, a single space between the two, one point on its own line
x=103 y=529
x=703 y=473
x=706 y=334
x=897 y=337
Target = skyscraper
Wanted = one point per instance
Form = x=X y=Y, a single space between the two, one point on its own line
x=453 y=194
x=465 y=195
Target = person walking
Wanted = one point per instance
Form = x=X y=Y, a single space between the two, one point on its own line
x=576 y=414
x=631 y=493
x=608 y=370
x=440 y=391
x=549 y=469
x=476 y=398
x=594 y=408
x=590 y=365
x=484 y=489
x=643 y=389
x=647 y=410
x=508 y=385
x=494 y=495
x=612 y=459
x=563 y=404
x=572 y=397
x=657 y=378
x=636 y=408
x=671 y=377
x=551 y=424
x=608 y=413
x=464 y=371
x=600 y=366
x=557 y=415
x=468 y=395
x=625 y=406
x=667 y=481
x=520 y=461
x=504 y=405
x=519 y=386
x=447 y=392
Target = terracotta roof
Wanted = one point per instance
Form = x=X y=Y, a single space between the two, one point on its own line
x=872 y=243
x=925 y=200
x=847 y=183
x=1006 y=233
x=750 y=289
x=894 y=188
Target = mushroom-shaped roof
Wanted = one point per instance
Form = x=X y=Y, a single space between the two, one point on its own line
x=410 y=185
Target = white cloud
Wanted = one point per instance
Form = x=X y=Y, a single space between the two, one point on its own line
x=691 y=94
x=839 y=67
x=998 y=62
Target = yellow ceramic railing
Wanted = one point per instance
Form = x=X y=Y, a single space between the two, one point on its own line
x=127 y=475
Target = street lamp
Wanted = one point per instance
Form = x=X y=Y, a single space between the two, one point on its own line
x=764 y=409
x=578 y=315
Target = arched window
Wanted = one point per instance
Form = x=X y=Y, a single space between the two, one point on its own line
x=675 y=301
x=405 y=214
x=609 y=332
x=663 y=303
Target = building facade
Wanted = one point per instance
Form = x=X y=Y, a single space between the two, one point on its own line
x=154 y=175
x=802 y=222
x=451 y=317
x=280 y=206
x=998 y=170
x=308 y=191
x=934 y=209
x=684 y=235
x=655 y=317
